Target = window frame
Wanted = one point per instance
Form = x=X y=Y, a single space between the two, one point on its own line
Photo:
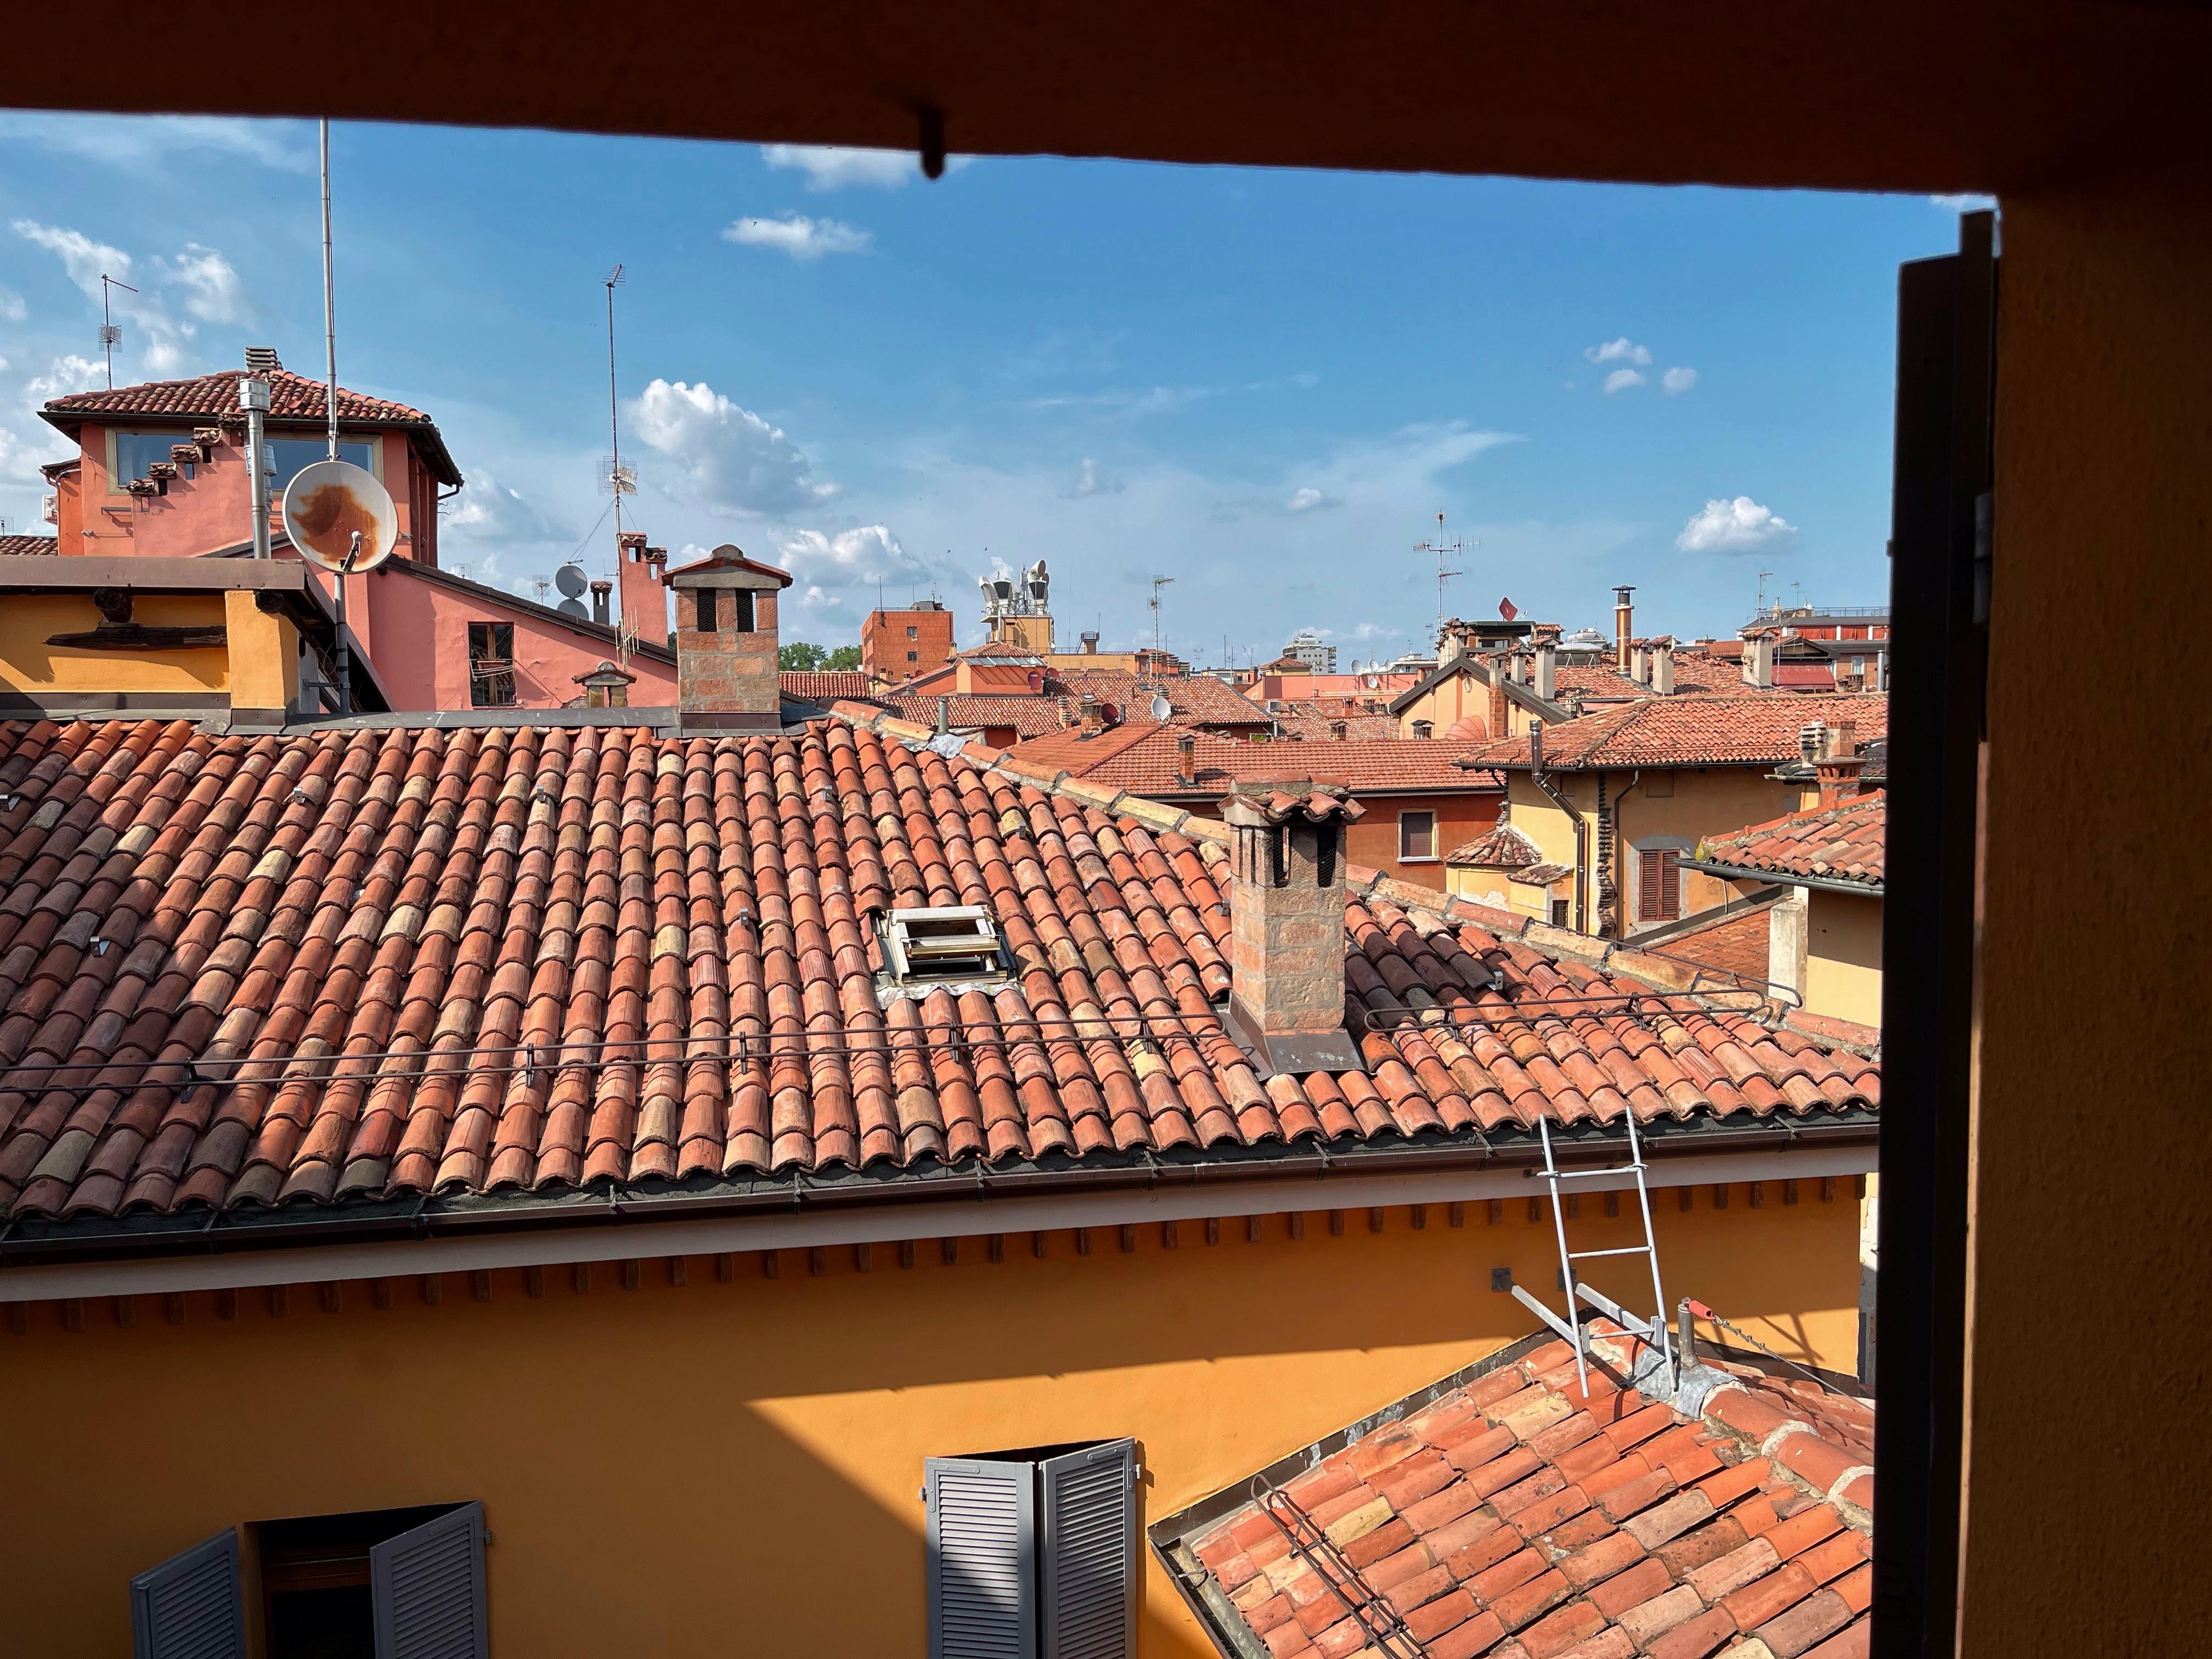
x=1680 y=847
x=481 y=686
x=1435 y=828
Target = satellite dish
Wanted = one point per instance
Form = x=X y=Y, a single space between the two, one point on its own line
x=572 y=607
x=1374 y=681
x=329 y=503
x=569 y=579
x=1162 y=708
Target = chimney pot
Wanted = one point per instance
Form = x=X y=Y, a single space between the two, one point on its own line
x=1090 y=643
x=1662 y=667
x=1547 y=669
x=1185 y=758
x=1624 y=612
x=1536 y=745
x=1286 y=924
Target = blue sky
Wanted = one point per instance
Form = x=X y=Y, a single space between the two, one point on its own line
x=1265 y=385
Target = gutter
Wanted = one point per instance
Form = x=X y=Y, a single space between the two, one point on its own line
x=1542 y=780
x=1740 y=872
x=230 y=1249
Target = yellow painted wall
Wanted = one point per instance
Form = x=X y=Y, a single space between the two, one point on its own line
x=1843 y=956
x=670 y=1471
x=28 y=664
x=266 y=651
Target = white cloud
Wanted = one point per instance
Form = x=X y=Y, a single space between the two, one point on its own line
x=136 y=141
x=1130 y=406
x=1968 y=203
x=1741 y=525
x=489 y=511
x=212 y=291
x=857 y=557
x=1307 y=499
x=19 y=463
x=11 y=305
x=1621 y=379
x=65 y=375
x=83 y=258
x=731 y=459
x=800 y=237
x=1677 y=379
x=1091 y=480
x=1622 y=351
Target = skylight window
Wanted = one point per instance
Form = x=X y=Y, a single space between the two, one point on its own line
x=946 y=945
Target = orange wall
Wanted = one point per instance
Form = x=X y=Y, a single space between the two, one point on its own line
x=667 y=1469
x=885 y=645
x=1460 y=818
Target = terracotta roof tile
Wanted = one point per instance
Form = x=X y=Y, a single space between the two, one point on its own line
x=1522 y=1515
x=1503 y=849
x=26 y=545
x=1145 y=757
x=260 y=969
x=1691 y=730
x=1841 y=843
x=1735 y=944
x=824 y=685
x=215 y=397
x=1194 y=699
x=977 y=711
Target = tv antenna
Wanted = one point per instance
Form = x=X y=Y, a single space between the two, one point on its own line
x=110 y=335
x=1158 y=582
x=619 y=480
x=1456 y=547
x=1760 y=609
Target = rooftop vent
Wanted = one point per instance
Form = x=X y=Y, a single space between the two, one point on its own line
x=262 y=359
x=945 y=945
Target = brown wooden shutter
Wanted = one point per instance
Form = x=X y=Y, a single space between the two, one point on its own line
x=1647 y=886
x=1658 y=884
x=1670 y=889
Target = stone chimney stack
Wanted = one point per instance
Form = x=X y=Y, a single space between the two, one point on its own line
x=725 y=641
x=1840 y=763
x=1624 y=613
x=1662 y=665
x=1639 y=666
x=1185 y=758
x=1758 y=658
x=1094 y=719
x=1546 y=641
x=1286 y=924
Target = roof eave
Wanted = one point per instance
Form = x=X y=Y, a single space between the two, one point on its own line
x=1790 y=879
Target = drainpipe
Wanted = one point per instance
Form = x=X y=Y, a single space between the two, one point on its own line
x=253 y=399
x=1609 y=836
x=1582 y=829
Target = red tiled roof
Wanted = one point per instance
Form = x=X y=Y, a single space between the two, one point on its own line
x=1691 y=730
x=215 y=397
x=1503 y=849
x=1692 y=677
x=1144 y=757
x=824 y=684
x=1735 y=944
x=1196 y=699
x=1840 y=843
x=1298 y=720
x=1523 y=1516
x=1028 y=715
x=375 y=963
x=28 y=546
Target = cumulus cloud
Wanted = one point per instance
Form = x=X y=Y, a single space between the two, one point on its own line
x=1741 y=525
x=1621 y=379
x=1622 y=351
x=1091 y=480
x=65 y=375
x=1677 y=379
x=800 y=237
x=857 y=557
x=730 y=458
x=1307 y=499
x=19 y=462
x=489 y=511
x=212 y=291
x=136 y=141
x=832 y=167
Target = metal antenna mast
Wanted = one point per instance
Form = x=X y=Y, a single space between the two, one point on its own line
x=330 y=313
x=619 y=481
x=1761 y=608
x=1453 y=549
x=1158 y=582
x=110 y=335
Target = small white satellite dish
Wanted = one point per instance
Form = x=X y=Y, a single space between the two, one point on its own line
x=569 y=579
x=1374 y=681
x=573 y=607
x=339 y=517
x=1162 y=708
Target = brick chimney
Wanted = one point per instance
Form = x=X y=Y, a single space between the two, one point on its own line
x=639 y=580
x=1838 y=769
x=1624 y=613
x=1185 y=758
x=726 y=641
x=1094 y=719
x=1286 y=924
x=1339 y=730
x=1497 y=705
x=1661 y=665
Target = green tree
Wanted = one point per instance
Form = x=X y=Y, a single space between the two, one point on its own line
x=800 y=657
x=845 y=659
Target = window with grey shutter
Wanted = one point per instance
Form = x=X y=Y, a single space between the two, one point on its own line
x=190 y=1608
x=1089 y=1583
x=1032 y=1554
x=427 y=1586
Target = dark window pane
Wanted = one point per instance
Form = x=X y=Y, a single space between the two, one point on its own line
x=288 y=455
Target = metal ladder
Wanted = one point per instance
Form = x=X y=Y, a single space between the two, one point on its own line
x=1654 y=1330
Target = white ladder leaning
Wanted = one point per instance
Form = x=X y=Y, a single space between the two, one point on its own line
x=1653 y=1330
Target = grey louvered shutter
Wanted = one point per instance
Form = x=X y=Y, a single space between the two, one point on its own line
x=190 y=1608
x=982 y=1558
x=1089 y=1581
x=428 y=1589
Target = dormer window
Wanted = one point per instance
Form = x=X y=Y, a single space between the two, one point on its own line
x=946 y=945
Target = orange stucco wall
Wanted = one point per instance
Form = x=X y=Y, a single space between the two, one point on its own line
x=668 y=1470
x=28 y=664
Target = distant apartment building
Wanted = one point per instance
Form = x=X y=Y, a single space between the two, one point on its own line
x=898 y=645
x=1309 y=647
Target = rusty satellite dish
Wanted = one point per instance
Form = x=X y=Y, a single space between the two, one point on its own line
x=328 y=504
